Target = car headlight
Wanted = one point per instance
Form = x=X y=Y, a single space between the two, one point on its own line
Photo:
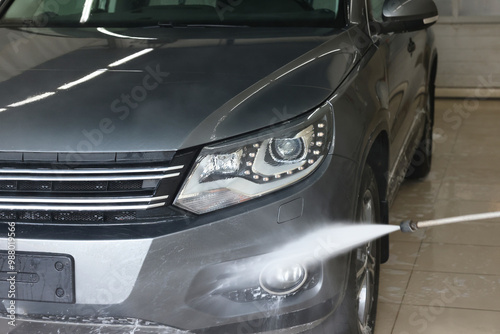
x=239 y=170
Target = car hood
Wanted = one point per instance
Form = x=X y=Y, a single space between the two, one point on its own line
x=159 y=89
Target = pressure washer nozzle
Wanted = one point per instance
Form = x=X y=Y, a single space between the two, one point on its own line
x=408 y=226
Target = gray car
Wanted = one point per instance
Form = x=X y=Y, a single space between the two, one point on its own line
x=155 y=154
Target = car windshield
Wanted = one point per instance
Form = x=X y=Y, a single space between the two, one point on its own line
x=171 y=13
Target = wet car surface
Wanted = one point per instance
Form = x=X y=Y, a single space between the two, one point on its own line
x=154 y=155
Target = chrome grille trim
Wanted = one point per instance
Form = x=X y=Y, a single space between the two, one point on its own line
x=89 y=171
x=87 y=178
x=79 y=208
x=95 y=201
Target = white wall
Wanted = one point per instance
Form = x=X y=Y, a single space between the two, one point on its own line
x=468 y=38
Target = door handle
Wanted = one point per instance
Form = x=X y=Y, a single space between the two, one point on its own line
x=411 y=46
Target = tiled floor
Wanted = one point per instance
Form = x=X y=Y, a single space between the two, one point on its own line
x=446 y=279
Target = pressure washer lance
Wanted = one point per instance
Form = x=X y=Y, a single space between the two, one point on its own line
x=409 y=226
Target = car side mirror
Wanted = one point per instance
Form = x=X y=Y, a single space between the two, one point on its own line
x=408 y=15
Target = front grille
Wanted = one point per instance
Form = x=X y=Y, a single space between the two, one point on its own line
x=8 y=185
x=77 y=186
x=110 y=192
x=69 y=216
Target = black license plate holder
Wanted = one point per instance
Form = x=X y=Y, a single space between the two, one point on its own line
x=40 y=277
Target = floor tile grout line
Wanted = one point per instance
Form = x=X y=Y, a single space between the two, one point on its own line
x=443 y=272
x=446 y=307
x=456 y=273
x=456 y=308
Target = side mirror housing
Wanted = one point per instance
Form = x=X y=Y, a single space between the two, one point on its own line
x=408 y=15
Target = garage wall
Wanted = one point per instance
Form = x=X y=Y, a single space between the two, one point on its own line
x=468 y=38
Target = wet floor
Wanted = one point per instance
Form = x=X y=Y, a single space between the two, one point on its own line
x=447 y=279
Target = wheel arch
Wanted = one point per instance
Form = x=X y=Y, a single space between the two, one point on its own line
x=378 y=160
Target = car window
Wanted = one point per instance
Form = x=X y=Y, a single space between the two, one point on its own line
x=376 y=8
x=321 y=13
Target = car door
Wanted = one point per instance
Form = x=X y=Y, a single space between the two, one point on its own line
x=404 y=87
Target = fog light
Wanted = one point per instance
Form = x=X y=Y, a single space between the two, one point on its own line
x=283 y=279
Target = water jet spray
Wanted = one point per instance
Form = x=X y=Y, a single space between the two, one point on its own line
x=409 y=226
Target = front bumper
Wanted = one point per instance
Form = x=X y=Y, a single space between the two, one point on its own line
x=204 y=278
x=45 y=325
